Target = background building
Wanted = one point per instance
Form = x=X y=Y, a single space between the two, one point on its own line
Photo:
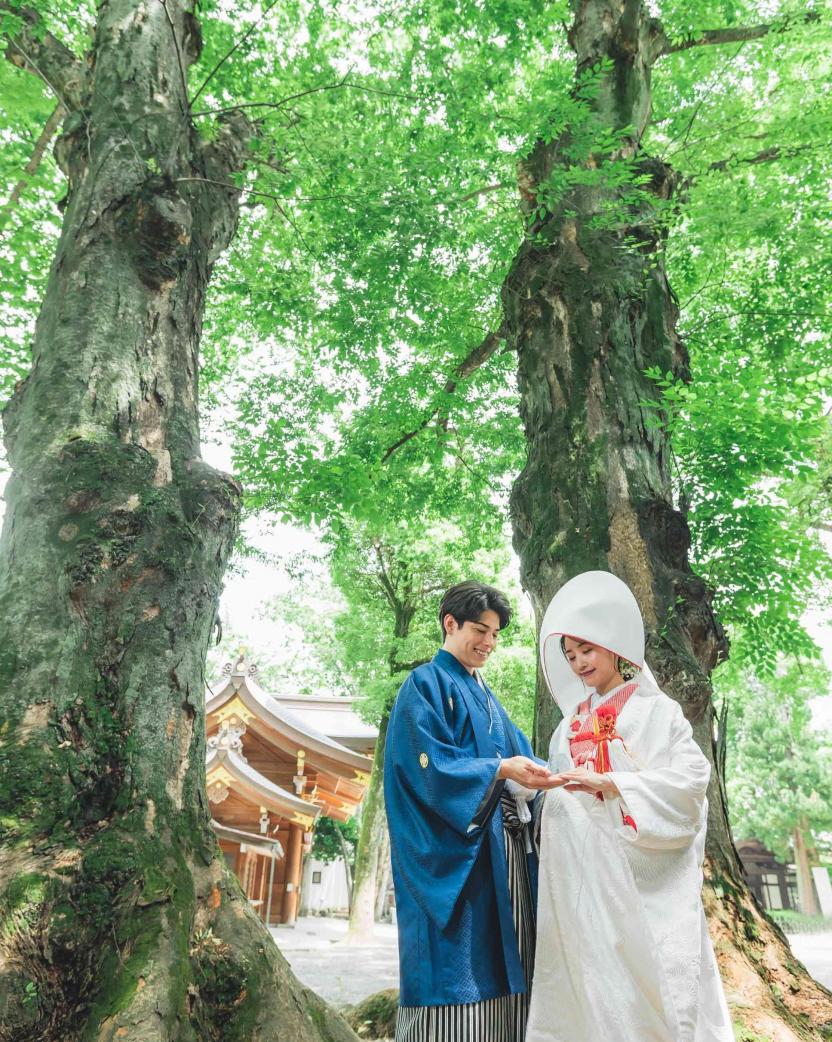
x=273 y=766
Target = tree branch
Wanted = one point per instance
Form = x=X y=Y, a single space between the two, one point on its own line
x=406 y=667
x=228 y=54
x=31 y=167
x=385 y=580
x=715 y=37
x=731 y=34
x=480 y=477
x=469 y=365
x=231 y=187
x=37 y=50
x=312 y=90
x=258 y=195
x=484 y=191
x=766 y=155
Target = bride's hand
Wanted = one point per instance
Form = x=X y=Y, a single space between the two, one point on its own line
x=580 y=780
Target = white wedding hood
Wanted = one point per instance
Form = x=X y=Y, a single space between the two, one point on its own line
x=596 y=607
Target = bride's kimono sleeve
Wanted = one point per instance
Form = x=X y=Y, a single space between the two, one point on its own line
x=439 y=793
x=666 y=799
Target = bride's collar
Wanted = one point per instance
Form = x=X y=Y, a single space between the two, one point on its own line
x=603 y=698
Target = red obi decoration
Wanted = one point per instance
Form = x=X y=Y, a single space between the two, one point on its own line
x=604 y=732
x=591 y=732
x=628 y=821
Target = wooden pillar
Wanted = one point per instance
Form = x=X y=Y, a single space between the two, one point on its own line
x=264 y=879
x=254 y=877
x=291 y=883
x=245 y=874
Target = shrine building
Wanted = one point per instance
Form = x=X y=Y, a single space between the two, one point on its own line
x=274 y=766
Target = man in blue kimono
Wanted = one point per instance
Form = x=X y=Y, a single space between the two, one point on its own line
x=458 y=777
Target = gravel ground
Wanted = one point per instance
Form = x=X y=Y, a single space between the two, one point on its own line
x=341 y=971
x=815 y=952
x=344 y=973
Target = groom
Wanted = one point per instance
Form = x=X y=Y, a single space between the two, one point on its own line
x=458 y=776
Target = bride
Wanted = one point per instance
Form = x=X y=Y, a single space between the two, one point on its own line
x=623 y=951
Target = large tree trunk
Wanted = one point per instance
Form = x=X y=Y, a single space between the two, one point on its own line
x=120 y=918
x=588 y=308
x=384 y=872
x=370 y=839
x=373 y=834
x=805 y=883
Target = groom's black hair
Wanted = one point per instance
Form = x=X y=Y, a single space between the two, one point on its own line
x=467 y=601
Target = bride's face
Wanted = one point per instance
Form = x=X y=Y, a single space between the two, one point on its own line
x=596 y=666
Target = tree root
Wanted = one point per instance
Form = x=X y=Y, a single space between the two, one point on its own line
x=771 y=994
x=184 y=960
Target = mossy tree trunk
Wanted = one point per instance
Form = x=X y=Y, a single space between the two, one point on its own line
x=370 y=839
x=403 y=592
x=801 y=843
x=371 y=836
x=385 y=870
x=120 y=920
x=588 y=308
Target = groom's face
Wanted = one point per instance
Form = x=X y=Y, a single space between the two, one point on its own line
x=473 y=641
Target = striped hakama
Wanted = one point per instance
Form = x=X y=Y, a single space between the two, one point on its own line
x=494 y=1020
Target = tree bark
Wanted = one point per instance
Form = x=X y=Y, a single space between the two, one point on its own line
x=805 y=884
x=370 y=838
x=400 y=595
x=345 y=857
x=384 y=870
x=120 y=920
x=588 y=308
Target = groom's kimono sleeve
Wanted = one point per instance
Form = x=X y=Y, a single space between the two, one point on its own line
x=439 y=794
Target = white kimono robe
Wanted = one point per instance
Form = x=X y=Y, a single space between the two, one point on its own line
x=623 y=950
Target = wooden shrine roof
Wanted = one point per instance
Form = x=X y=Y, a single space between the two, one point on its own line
x=335 y=716
x=226 y=766
x=261 y=843
x=239 y=695
x=260 y=749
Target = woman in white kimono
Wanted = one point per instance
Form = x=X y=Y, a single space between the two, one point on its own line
x=623 y=952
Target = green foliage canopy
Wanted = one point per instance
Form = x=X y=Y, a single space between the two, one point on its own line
x=381 y=219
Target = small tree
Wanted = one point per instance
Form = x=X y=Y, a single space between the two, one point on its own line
x=779 y=766
x=392 y=583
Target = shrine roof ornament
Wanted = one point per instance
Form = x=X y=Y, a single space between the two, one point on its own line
x=228 y=736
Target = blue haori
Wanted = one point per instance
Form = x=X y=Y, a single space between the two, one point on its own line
x=458 y=943
x=492 y=1020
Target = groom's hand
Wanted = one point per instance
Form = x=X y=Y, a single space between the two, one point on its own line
x=581 y=780
x=524 y=771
